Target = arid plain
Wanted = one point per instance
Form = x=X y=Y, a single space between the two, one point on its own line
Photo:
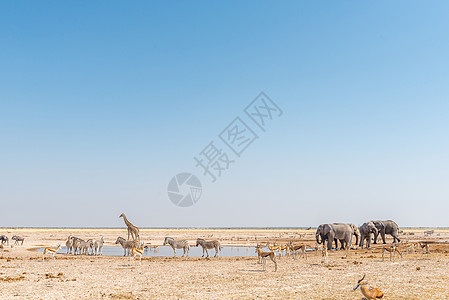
x=23 y=274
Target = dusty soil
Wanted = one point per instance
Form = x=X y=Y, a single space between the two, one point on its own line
x=23 y=274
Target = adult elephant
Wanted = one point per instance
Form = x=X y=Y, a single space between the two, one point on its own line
x=355 y=232
x=330 y=232
x=365 y=233
x=322 y=236
x=386 y=227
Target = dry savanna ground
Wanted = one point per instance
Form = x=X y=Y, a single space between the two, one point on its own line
x=23 y=274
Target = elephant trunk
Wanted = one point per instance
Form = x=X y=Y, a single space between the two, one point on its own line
x=317 y=236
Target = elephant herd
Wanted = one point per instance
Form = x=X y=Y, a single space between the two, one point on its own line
x=344 y=232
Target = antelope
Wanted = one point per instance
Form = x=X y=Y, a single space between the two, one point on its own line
x=52 y=251
x=296 y=248
x=410 y=246
x=324 y=255
x=136 y=252
x=424 y=245
x=369 y=293
x=392 y=250
x=263 y=256
x=274 y=248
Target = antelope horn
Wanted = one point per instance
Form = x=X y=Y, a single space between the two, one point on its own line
x=361 y=279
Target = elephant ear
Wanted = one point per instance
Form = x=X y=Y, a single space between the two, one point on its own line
x=326 y=229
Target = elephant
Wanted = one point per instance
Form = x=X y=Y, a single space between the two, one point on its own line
x=365 y=233
x=321 y=236
x=355 y=232
x=330 y=232
x=386 y=227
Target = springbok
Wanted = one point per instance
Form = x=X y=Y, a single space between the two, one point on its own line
x=136 y=252
x=369 y=293
x=208 y=245
x=263 y=255
x=294 y=249
x=324 y=255
x=392 y=250
x=52 y=251
x=177 y=245
x=424 y=246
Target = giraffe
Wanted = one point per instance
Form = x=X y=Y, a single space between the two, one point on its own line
x=132 y=230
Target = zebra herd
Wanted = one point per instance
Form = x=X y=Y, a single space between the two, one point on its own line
x=79 y=246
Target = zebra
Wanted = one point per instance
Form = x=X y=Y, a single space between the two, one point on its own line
x=127 y=245
x=177 y=245
x=4 y=239
x=69 y=244
x=209 y=245
x=84 y=246
x=76 y=245
x=98 y=246
x=17 y=239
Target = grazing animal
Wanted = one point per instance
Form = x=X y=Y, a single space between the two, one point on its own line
x=126 y=245
x=98 y=246
x=177 y=245
x=132 y=230
x=136 y=252
x=369 y=293
x=429 y=232
x=4 y=239
x=76 y=245
x=17 y=240
x=69 y=244
x=424 y=246
x=263 y=256
x=2 y=248
x=52 y=251
x=324 y=256
x=208 y=245
x=392 y=250
x=84 y=246
x=294 y=249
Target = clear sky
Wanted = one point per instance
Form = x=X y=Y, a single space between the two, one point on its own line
x=103 y=102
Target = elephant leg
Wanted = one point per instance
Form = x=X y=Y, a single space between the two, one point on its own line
x=330 y=240
x=383 y=236
x=395 y=237
x=375 y=237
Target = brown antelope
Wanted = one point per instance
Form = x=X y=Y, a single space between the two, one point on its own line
x=410 y=246
x=52 y=251
x=392 y=250
x=424 y=245
x=263 y=256
x=324 y=255
x=274 y=248
x=294 y=249
x=137 y=252
x=369 y=293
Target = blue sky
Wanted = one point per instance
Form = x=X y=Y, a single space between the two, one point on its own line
x=102 y=102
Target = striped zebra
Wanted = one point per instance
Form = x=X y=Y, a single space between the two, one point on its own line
x=177 y=245
x=208 y=245
x=127 y=245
